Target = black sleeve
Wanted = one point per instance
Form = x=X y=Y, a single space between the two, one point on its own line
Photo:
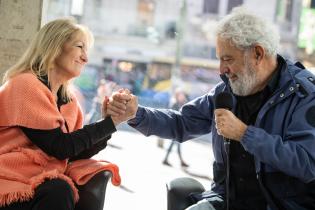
x=91 y=151
x=79 y=144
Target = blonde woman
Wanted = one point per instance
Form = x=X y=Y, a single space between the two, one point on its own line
x=41 y=129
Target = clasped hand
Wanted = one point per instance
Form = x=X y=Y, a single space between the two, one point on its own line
x=121 y=106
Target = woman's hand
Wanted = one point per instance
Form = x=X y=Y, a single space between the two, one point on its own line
x=121 y=106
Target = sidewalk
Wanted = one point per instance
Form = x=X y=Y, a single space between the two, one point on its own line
x=143 y=174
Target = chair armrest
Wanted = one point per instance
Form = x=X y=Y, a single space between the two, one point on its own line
x=178 y=191
x=92 y=194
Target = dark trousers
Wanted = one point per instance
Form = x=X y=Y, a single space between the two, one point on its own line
x=56 y=194
x=51 y=195
x=178 y=150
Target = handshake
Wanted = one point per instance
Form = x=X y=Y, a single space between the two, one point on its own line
x=120 y=106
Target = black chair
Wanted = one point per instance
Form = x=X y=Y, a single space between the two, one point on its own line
x=92 y=194
x=179 y=190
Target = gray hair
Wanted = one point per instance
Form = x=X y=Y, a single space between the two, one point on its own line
x=244 y=30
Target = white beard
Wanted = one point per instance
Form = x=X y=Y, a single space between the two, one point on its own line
x=246 y=81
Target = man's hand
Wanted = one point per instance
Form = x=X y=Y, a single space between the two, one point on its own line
x=121 y=106
x=228 y=125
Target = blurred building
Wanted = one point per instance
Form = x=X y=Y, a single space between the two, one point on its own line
x=148 y=27
x=306 y=41
x=138 y=42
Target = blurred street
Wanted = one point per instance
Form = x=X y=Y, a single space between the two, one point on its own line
x=143 y=174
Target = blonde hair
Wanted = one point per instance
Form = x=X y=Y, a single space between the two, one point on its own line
x=46 y=47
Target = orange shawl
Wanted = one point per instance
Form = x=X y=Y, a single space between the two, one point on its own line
x=26 y=101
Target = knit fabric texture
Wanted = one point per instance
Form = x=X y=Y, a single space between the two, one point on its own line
x=26 y=101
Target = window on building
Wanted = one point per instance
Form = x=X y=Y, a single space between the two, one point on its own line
x=284 y=10
x=288 y=13
x=234 y=3
x=210 y=6
x=146 y=12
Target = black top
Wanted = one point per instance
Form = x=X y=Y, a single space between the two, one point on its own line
x=80 y=144
x=244 y=186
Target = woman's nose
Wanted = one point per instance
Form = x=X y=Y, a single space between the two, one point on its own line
x=84 y=56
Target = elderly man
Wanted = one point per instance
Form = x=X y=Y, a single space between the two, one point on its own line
x=271 y=125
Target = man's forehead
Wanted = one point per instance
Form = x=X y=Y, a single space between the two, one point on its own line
x=225 y=48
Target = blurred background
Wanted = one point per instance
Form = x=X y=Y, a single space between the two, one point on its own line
x=155 y=48
x=151 y=47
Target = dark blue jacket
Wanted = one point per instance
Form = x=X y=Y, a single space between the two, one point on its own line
x=282 y=139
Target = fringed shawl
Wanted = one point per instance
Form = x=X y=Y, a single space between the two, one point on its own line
x=26 y=101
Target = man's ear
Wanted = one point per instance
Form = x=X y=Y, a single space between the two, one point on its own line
x=259 y=53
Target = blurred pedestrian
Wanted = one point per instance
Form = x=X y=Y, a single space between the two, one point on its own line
x=105 y=88
x=179 y=99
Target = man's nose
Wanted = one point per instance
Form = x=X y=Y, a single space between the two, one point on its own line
x=223 y=69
